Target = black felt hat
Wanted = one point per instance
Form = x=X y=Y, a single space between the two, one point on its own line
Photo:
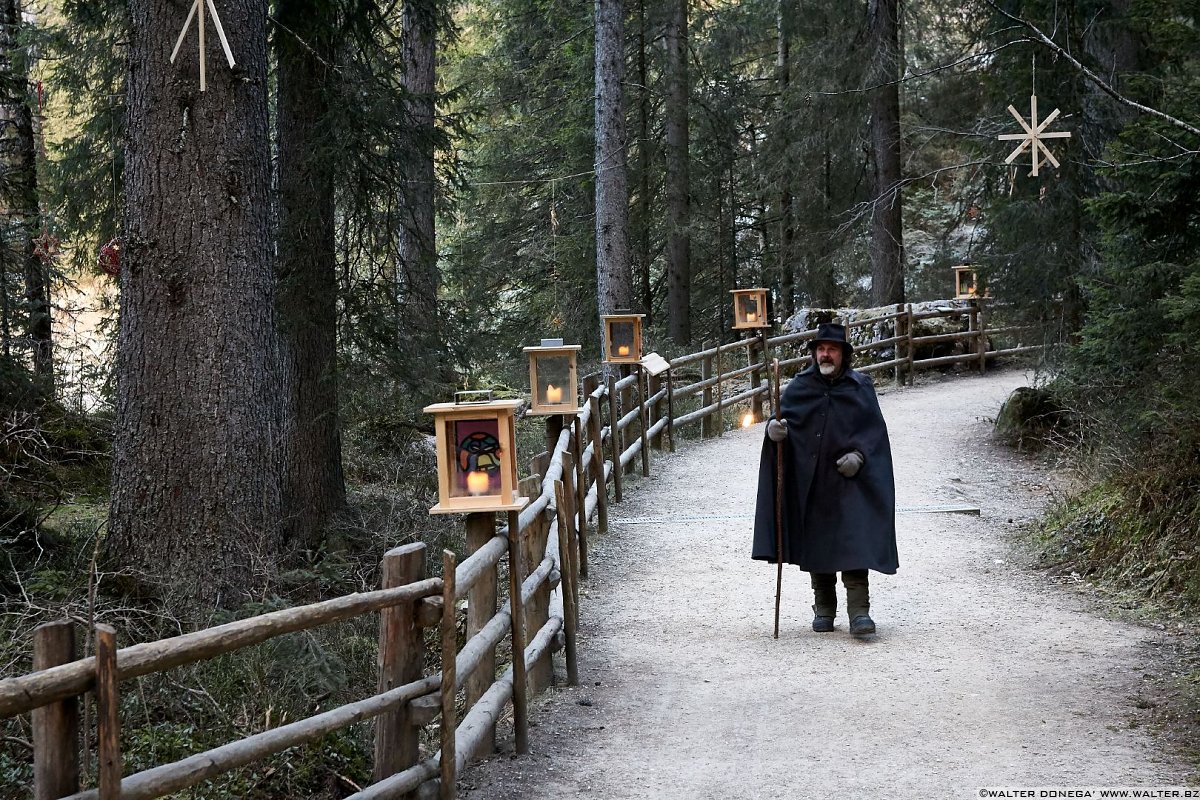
x=832 y=332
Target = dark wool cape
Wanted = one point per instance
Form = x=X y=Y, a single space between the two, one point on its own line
x=830 y=523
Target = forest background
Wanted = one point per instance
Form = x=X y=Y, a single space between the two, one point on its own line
x=380 y=203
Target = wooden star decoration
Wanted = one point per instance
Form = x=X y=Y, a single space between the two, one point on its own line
x=1033 y=136
x=198 y=10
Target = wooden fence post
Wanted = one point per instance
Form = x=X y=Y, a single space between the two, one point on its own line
x=537 y=611
x=908 y=331
x=516 y=576
x=643 y=417
x=400 y=661
x=567 y=585
x=55 y=726
x=720 y=413
x=626 y=406
x=554 y=426
x=706 y=372
x=982 y=326
x=581 y=489
x=449 y=676
x=756 y=377
x=481 y=607
x=108 y=718
x=897 y=372
x=655 y=386
x=615 y=438
x=596 y=426
x=670 y=411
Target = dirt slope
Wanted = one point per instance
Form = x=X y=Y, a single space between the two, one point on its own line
x=982 y=673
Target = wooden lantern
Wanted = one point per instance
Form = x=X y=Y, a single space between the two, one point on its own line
x=622 y=338
x=552 y=378
x=965 y=283
x=750 y=308
x=476 y=454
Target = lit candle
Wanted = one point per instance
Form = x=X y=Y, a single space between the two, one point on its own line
x=751 y=316
x=623 y=350
x=553 y=393
x=477 y=483
x=747 y=420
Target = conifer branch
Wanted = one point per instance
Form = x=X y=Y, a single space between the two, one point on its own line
x=1092 y=76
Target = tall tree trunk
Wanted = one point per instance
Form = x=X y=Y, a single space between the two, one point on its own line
x=18 y=191
x=787 y=222
x=887 y=234
x=313 y=483
x=195 y=508
x=614 y=280
x=644 y=151
x=824 y=286
x=417 y=251
x=679 y=268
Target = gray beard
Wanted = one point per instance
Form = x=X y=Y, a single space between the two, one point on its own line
x=827 y=369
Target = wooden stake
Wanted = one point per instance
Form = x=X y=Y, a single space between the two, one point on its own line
x=108 y=719
x=481 y=604
x=567 y=584
x=596 y=428
x=515 y=578
x=581 y=491
x=449 y=675
x=55 y=726
x=615 y=438
x=400 y=661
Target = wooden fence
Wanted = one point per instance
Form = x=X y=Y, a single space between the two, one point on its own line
x=546 y=549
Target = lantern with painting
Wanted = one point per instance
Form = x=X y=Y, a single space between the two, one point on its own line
x=622 y=338
x=552 y=378
x=750 y=308
x=965 y=283
x=476 y=454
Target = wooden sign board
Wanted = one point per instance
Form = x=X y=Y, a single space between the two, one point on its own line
x=654 y=364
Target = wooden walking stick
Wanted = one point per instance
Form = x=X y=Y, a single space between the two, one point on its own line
x=778 y=496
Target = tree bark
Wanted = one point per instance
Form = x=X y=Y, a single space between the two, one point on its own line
x=887 y=235
x=787 y=222
x=195 y=487
x=614 y=280
x=679 y=268
x=416 y=244
x=644 y=151
x=313 y=484
x=18 y=193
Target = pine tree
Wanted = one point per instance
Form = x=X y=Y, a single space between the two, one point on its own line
x=195 y=491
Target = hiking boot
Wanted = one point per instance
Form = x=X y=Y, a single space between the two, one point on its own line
x=861 y=625
x=822 y=624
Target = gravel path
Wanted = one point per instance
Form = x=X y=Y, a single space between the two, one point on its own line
x=983 y=674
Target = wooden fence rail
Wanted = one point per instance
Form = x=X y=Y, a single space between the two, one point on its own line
x=548 y=540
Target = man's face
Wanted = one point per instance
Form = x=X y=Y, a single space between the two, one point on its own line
x=829 y=358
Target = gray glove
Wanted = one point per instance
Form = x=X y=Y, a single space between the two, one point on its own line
x=777 y=430
x=850 y=464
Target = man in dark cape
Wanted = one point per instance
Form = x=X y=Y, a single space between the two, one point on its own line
x=839 y=496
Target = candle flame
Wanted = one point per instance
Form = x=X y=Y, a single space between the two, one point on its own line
x=554 y=394
x=747 y=420
x=477 y=483
x=751 y=316
x=623 y=350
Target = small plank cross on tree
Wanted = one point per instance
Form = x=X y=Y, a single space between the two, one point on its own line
x=198 y=10
x=1033 y=135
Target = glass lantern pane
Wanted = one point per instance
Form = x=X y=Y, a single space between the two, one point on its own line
x=554 y=380
x=475 y=458
x=749 y=304
x=622 y=339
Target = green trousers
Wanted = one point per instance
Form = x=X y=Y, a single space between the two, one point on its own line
x=858 y=597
